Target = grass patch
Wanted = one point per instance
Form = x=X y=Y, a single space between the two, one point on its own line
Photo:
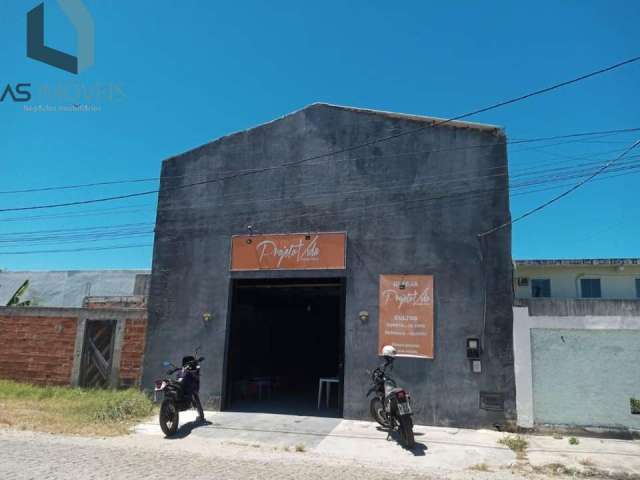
x=558 y=470
x=300 y=447
x=71 y=410
x=573 y=441
x=516 y=443
x=480 y=467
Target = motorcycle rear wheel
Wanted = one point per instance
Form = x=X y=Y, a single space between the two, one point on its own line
x=376 y=409
x=406 y=431
x=169 y=418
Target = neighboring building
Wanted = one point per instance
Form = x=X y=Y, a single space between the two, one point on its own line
x=287 y=272
x=576 y=363
x=83 y=328
x=613 y=278
x=72 y=346
x=70 y=288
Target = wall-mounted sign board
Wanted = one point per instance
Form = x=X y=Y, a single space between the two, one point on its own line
x=406 y=314
x=297 y=251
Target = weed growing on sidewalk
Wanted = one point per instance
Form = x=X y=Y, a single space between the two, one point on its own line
x=71 y=410
x=516 y=443
x=480 y=467
x=573 y=441
x=300 y=447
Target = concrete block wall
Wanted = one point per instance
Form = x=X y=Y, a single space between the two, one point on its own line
x=128 y=301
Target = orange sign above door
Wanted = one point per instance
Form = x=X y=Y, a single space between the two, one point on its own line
x=406 y=314
x=302 y=251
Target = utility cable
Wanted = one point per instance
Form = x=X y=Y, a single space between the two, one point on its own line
x=561 y=195
x=343 y=150
x=603 y=133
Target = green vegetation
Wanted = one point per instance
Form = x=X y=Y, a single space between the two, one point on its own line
x=300 y=447
x=516 y=443
x=480 y=467
x=573 y=441
x=15 y=300
x=71 y=410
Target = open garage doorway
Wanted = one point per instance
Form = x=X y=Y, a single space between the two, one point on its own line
x=286 y=336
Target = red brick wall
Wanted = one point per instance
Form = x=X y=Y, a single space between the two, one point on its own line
x=132 y=351
x=37 y=349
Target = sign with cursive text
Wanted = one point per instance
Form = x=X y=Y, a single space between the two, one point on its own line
x=313 y=251
x=406 y=314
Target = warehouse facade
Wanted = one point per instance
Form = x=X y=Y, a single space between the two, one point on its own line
x=290 y=257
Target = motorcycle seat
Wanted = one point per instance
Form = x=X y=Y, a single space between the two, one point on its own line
x=387 y=393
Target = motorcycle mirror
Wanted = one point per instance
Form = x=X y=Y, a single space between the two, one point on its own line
x=200 y=359
x=166 y=364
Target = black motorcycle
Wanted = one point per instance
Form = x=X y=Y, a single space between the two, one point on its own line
x=391 y=405
x=180 y=394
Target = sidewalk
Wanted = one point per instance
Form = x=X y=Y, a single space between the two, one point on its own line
x=438 y=450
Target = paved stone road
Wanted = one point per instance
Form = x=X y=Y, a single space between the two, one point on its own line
x=28 y=455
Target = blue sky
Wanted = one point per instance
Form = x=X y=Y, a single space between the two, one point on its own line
x=193 y=71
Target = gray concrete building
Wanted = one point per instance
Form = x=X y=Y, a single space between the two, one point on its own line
x=290 y=252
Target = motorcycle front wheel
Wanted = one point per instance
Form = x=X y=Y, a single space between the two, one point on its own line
x=169 y=418
x=406 y=431
x=376 y=408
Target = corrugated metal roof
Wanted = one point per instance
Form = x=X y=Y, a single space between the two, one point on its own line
x=8 y=286
x=67 y=288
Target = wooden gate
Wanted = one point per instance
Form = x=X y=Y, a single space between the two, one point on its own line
x=97 y=353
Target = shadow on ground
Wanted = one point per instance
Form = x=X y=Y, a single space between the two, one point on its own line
x=418 y=450
x=186 y=429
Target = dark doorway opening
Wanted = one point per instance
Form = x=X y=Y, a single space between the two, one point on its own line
x=285 y=336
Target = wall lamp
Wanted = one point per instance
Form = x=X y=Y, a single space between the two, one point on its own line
x=206 y=316
x=363 y=316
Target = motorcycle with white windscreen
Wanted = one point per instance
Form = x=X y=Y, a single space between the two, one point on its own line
x=391 y=405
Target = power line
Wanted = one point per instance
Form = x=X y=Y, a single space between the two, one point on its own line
x=137 y=208
x=446 y=199
x=602 y=133
x=561 y=195
x=343 y=150
x=128 y=230
x=114 y=247
x=77 y=229
x=136 y=229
